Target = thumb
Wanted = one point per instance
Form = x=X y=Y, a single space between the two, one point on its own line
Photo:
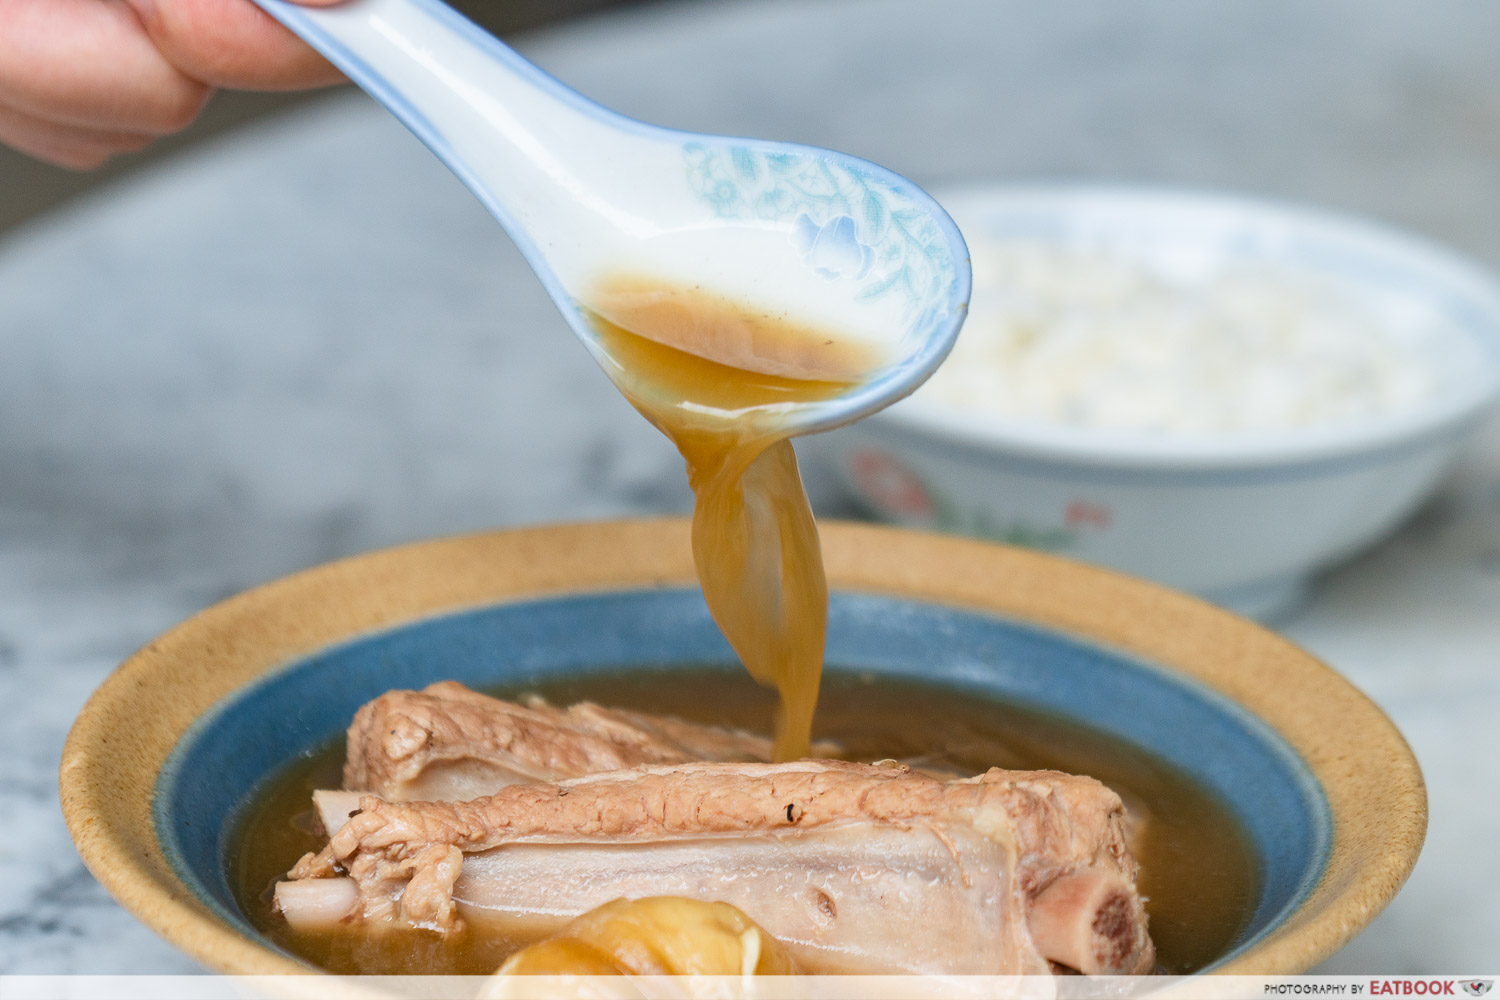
x=233 y=43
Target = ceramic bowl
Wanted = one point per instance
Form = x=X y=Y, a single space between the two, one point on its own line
x=1243 y=519
x=166 y=754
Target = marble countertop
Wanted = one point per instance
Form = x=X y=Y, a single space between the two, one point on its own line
x=308 y=340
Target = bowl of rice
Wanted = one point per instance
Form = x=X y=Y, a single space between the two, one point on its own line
x=1221 y=394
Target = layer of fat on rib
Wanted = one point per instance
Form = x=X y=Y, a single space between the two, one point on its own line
x=856 y=898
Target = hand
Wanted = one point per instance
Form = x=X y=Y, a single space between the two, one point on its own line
x=83 y=80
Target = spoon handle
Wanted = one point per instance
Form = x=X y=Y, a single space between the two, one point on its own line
x=508 y=130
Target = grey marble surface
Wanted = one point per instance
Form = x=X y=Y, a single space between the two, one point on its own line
x=308 y=341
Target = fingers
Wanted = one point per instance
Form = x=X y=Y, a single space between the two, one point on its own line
x=88 y=64
x=65 y=145
x=232 y=43
x=81 y=80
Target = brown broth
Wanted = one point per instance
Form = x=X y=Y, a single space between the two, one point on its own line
x=1197 y=870
x=725 y=384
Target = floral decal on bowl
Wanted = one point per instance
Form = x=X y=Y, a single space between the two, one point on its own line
x=847 y=225
x=891 y=487
x=1019 y=532
x=895 y=492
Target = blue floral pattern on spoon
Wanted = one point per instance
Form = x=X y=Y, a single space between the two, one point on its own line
x=848 y=225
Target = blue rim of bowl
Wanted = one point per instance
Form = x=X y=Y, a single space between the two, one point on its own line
x=1469 y=293
x=182 y=786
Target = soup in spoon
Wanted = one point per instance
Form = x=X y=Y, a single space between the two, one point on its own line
x=727 y=383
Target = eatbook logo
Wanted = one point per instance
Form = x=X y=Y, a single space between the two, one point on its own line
x=1477 y=987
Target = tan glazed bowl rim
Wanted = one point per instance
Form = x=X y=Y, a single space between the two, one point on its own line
x=130 y=727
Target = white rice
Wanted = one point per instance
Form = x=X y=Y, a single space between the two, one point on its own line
x=1088 y=337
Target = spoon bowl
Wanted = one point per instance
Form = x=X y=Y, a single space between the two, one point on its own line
x=788 y=232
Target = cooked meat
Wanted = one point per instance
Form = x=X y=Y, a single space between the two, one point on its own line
x=857 y=868
x=447 y=742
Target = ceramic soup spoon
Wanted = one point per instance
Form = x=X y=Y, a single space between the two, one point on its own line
x=825 y=240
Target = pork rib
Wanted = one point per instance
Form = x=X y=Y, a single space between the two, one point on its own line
x=857 y=868
x=447 y=742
